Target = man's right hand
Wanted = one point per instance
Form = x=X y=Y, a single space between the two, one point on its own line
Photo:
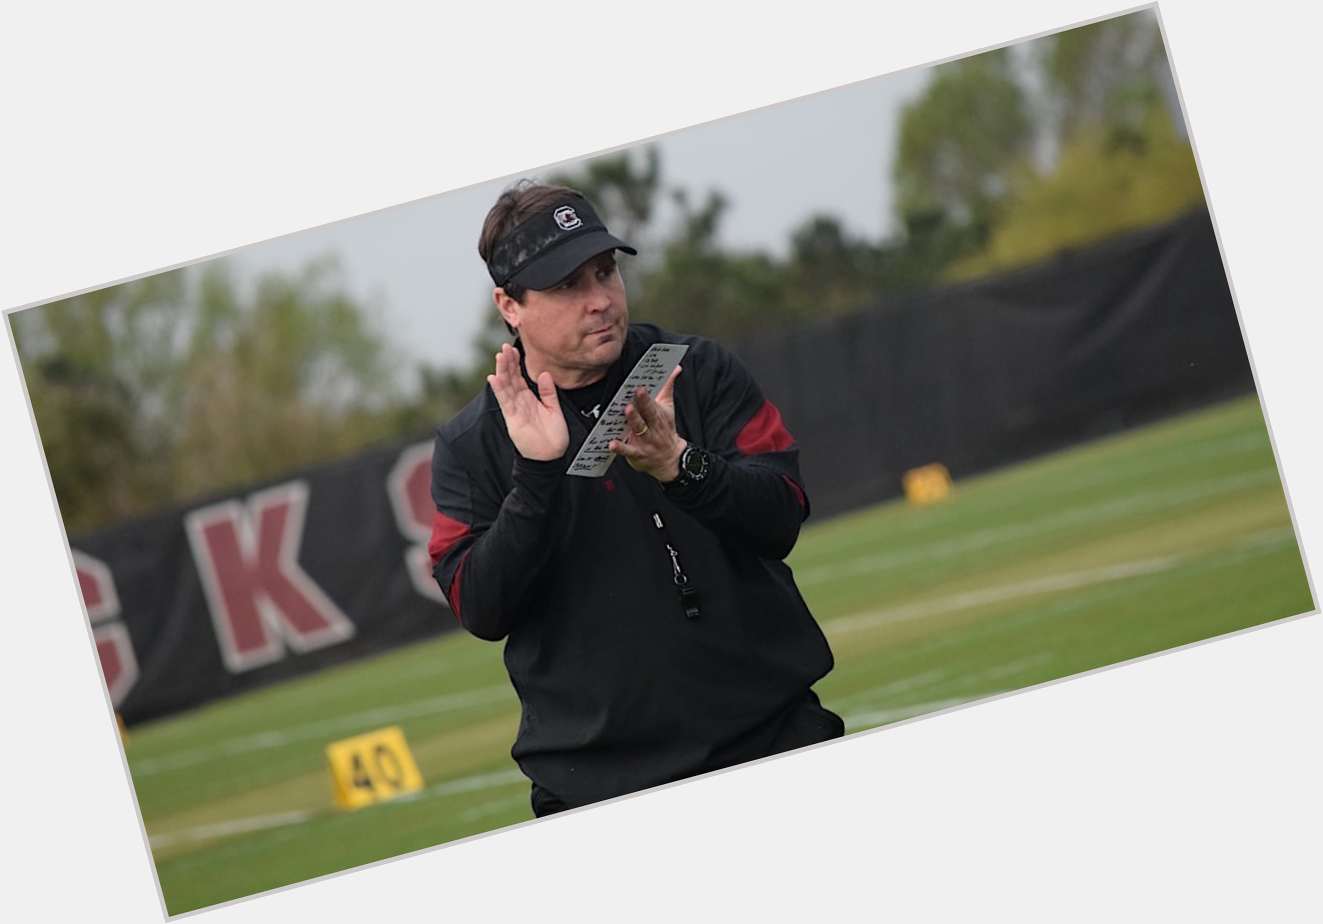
x=533 y=419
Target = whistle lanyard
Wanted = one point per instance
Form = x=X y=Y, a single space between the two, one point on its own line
x=688 y=593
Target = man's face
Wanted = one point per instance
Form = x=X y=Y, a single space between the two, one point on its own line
x=576 y=329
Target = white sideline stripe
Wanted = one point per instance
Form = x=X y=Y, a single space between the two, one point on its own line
x=501 y=778
x=902 y=685
x=223 y=828
x=1014 y=667
x=1056 y=582
x=1204 y=448
x=1068 y=581
x=980 y=539
x=493 y=807
x=271 y=739
x=858 y=720
x=873 y=695
x=281 y=819
x=473 y=783
x=357 y=720
x=1268 y=537
x=850 y=567
x=853 y=721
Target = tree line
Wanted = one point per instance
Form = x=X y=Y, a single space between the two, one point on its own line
x=153 y=392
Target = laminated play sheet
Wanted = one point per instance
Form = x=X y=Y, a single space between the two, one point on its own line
x=651 y=371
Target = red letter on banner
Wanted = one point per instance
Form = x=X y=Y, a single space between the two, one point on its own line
x=119 y=665
x=257 y=593
x=410 y=488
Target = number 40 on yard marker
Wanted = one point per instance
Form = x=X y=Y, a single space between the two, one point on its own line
x=372 y=767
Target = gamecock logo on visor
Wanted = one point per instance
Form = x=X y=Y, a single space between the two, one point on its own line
x=566 y=218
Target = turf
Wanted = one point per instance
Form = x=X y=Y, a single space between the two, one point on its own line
x=1119 y=548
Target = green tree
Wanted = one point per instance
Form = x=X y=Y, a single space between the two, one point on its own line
x=98 y=372
x=1108 y=73
x=1010 y=155
x=1120 y=159
x=695 y=285
x=1098 y=187
x=151 y=392
x=297 y=365
x=685 y=279
x=959 y=143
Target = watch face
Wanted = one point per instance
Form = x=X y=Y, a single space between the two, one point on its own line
x=693 y=462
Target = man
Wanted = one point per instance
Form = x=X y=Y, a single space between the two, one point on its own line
x=652 y=630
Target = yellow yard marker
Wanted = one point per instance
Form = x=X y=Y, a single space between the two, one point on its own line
x=372 y=767
x=927 y=484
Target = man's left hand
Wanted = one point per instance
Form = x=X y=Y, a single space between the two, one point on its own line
x=651 y=444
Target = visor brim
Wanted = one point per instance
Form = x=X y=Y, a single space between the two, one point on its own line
x=558 y=263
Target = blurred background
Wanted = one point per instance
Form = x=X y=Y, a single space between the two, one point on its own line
x=998 y=273
x=328 y=340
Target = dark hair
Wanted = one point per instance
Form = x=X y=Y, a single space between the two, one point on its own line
x=517 y=204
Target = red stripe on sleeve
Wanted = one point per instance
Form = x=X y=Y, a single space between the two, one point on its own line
x=764 y=432
x=446 y=531
x=454 y=585
x=799 y=492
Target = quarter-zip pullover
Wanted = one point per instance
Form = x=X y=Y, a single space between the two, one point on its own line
x=626 y=682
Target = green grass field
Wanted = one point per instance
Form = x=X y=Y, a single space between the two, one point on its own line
x=1123 y=547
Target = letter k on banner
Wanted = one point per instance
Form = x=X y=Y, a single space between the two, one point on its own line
x=261 y=600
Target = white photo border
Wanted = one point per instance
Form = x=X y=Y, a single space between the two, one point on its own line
x=1182 y=786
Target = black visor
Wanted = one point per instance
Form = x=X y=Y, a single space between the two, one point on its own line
x=546 y=248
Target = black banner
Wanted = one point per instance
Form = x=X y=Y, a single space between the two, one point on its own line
x=315 y=568
x=980 y=375
x=329 y=564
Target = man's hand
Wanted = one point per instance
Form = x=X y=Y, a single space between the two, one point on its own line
x=651 y=444
x=533 y=420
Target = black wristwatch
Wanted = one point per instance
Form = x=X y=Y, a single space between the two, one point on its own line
x=694 y=466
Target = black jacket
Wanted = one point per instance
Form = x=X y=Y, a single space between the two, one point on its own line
x=620 y=689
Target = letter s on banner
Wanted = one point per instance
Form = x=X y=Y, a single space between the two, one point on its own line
x=259 y=596
x=114 y=648
x=409 y=486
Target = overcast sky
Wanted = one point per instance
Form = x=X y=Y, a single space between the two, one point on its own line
x=417 y=266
